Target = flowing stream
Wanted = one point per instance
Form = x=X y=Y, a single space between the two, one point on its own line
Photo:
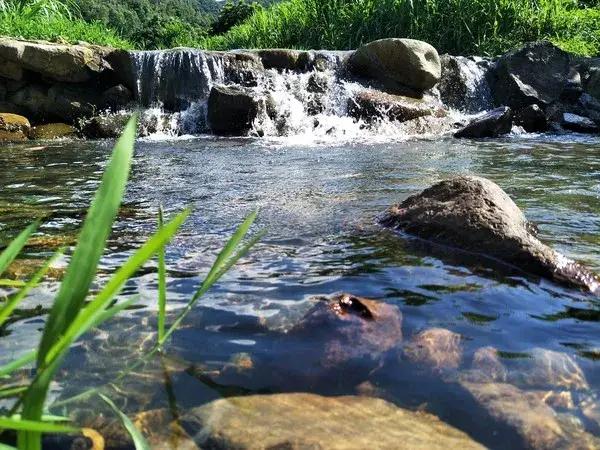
x=319 y=182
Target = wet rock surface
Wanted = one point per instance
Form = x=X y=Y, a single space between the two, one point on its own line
x=231 y=110
x=537 y=424
x=13 y=128
x=52 y=131
x=532 y=119
x=411 y=63
x=580 y=124
x=492 y=124
x=301 y=421
x=538 y=74
x=476 y=215
x=374 y=105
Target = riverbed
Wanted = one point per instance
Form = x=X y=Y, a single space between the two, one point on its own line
x=319 y=205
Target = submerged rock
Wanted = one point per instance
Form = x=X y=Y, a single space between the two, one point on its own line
x=538 y=74
x=231 y=110
x=414 y=64
x=548 y=369
x=476 y=215
x=487 y=366
x=532 y=119
x=13 y=128
x=350 y=328
x=306 y=421
x=52 y=131
x=492 y=124
x=437 y=348
x=105 y=126
x=532 y=419
x=372 y=105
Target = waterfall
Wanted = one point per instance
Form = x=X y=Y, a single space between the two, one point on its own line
x=310 y=101
x=464 y=85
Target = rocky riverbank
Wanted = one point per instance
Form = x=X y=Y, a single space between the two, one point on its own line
x=54 y=90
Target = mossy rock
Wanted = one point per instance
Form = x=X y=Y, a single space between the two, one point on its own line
x=52 y=131
x=13 y=128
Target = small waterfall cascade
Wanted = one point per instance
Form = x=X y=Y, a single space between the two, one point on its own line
x=464 y=85
x=309 y=101
x=174 y=79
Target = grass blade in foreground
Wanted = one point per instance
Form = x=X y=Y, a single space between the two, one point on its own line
x=138 y=439
x=15 y=247
x=80 y=274
x=12 y=303
x=19 y=424
x=162 y=282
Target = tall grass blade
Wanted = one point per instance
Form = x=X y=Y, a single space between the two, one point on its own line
x=18 y=424
x=88 y=317
x=13 y=302
x=79 y=277
x=14 y=248
x=18 y=364
x=225 y=260
x=138 y=439
x=162 y=282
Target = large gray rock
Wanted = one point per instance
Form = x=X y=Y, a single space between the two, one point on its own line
x=580 y=124
x=231 y=110
x=414 y=64
x=67 y=63
x=492 y=124
x=372 y=105
x=476 y=215
x=283 y=59
x=306 y=421
x=538 y=73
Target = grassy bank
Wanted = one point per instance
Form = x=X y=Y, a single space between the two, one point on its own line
x=61 y=29
x=485 y=27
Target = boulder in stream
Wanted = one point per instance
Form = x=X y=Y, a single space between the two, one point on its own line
x=476 y=215
x=307 y=421
x=494 y=123
x=231 y=109
x=414 y=64
x=537 y=73
x=532 y=119
x=13 y=128
x=580 y=124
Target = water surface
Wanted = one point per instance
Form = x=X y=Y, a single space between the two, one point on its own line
x=319 y=204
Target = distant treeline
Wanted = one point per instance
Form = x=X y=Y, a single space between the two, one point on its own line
x=484 y=27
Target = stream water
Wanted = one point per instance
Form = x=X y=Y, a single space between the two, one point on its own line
x=319 y=205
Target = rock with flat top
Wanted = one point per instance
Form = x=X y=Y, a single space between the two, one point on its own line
x=307 y=421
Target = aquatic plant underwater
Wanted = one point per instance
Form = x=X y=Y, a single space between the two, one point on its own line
x=76 y=310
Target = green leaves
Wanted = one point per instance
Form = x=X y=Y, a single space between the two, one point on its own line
x=162 y=283
x=19 y=424
x=74 y=289
x=138 y=439
x=14 y=248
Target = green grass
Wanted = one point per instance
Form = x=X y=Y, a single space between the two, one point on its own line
x=74 y=312
x=484 y=27
x=60 y=29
